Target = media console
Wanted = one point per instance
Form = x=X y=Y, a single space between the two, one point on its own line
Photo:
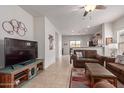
x=10 y=78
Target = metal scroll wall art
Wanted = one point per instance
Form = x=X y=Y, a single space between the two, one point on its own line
x=14 y=26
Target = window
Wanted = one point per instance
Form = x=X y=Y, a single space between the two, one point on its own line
x=121 y=44
x=121 y=48
x=75 y=44
x=120 y=40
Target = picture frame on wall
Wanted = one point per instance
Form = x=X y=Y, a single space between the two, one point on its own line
x=51 y=39
x=109 y=40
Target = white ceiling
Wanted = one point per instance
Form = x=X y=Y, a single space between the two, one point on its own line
x=68 y=18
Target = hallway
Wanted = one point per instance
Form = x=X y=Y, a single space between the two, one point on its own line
x=55 y=76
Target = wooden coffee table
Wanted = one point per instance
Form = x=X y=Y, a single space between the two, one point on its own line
x=96 y=71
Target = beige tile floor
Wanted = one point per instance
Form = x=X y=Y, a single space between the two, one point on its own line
x=55 y=76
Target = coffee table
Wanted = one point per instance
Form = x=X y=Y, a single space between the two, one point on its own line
x=96 y=71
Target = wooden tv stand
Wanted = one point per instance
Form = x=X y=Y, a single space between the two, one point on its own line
x=10 y=78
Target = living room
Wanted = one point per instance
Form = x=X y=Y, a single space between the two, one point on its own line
x=62 y=46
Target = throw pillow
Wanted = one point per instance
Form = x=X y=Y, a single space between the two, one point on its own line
x=79 y=54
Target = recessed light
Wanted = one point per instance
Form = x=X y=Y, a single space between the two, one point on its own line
x=72 y=30
x=88 y=26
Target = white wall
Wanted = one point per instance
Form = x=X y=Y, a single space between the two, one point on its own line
x=58 y=44
x=39 y=35
x=67 y=39
x=117 y=25
x=106 y=32
x=42 y=28
x=50 y=55
x=112 y=29
x=14 y=12
x=39 y=29
x=118 y=28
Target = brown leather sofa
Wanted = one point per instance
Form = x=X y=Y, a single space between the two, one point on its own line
x=115 y=68
x=89 y=56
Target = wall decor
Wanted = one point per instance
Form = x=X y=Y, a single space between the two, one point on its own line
x=51 y=39
x=14 y=26
x=108 y=40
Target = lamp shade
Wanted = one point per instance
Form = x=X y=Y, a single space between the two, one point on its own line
x=113 y=46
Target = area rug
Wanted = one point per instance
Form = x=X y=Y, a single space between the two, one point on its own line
x=78 y=78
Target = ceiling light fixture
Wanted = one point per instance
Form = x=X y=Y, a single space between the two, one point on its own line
x=89 y=8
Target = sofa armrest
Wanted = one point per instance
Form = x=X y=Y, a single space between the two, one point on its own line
x=109 y=59
x=74 y=57
x=101 y=59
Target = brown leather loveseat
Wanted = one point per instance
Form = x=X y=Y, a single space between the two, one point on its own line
x=89 y=56
x=115 y=68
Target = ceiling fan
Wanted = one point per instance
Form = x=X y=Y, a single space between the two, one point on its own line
x=91 y=8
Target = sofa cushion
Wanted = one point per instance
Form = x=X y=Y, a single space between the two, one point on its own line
x=90 y=53
x=79 y=54
x=87 y=59
x=117 y=67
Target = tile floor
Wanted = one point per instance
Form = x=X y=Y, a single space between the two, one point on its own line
x=55 y=76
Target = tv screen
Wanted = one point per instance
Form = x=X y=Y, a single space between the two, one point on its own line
x=18 y=51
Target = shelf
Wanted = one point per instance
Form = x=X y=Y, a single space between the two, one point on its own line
x=21 y=77
x=20 y=74
x=17 y=77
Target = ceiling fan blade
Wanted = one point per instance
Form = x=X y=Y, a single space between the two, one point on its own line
x=81 y=7
x=77 y=8
x=85 y=13
x=100 y=7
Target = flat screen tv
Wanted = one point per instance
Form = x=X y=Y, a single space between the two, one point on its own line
x=19 y=51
